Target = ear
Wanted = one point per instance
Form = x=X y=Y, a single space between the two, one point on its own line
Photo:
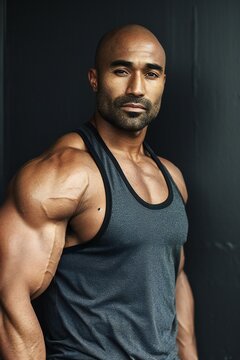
x=164 y=80
x=92 y=77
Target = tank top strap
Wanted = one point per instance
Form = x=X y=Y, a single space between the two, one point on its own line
x=165 y=171
x=110 y=168
x=101 y=154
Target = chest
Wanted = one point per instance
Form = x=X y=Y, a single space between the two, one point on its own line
x=143 y=178
x=125 y=199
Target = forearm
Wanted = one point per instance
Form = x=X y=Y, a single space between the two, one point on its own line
x=20 y=336
x=185 y=314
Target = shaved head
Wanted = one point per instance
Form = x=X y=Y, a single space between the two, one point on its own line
x=120 y=36
x=128 y=77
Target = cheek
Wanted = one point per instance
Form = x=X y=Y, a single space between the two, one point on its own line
x=112 y=88
x=157 y=92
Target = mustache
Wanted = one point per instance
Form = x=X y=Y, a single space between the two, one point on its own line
x=121 y=100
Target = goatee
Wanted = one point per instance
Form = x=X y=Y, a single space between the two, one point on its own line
x=112 y=111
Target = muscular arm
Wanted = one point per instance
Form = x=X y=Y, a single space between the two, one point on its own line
x=42 y=197
x=185 y=314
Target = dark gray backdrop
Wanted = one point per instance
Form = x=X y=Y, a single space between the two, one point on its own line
x=48 y=50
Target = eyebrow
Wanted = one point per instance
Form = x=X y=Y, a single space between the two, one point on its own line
x=130 y=65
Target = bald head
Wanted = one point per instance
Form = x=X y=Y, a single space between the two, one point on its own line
x=129 y=69
x=119 y=39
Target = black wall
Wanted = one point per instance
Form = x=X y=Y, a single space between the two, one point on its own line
x=2 y=48
x=49 y=48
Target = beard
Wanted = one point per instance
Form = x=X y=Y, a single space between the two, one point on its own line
x=112 y=112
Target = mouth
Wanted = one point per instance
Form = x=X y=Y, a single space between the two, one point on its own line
x=134 y=107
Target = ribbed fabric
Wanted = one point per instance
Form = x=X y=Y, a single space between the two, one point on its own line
x=114 y=297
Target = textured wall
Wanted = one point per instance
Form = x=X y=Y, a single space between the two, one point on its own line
x=201 y=134
x=50 y=45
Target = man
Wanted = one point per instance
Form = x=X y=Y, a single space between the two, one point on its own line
x=97 y=224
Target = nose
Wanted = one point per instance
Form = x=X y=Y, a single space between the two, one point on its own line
x=136 y=85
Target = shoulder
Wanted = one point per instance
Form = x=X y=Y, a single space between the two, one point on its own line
x=69 y=140
x=51 y=185
x=177 y=177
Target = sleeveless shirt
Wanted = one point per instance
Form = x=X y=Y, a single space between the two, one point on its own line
x=113 y=298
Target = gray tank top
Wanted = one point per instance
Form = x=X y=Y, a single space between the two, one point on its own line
x=113 y=298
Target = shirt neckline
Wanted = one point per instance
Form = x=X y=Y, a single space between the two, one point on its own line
x=115 y=162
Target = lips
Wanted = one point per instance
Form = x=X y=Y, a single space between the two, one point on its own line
x=134 y=107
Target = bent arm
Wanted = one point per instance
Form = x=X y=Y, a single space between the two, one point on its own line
x=185 y=315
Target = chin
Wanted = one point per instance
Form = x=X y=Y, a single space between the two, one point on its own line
x=132 y=126
x=131 y=121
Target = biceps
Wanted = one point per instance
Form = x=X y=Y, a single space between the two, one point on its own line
x=28 y=257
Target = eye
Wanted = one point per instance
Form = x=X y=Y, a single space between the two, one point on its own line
x=152 y=75
x=120 y=72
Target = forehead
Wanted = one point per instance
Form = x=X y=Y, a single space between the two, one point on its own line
x=137 y=48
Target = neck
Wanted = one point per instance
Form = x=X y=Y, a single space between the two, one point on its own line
x=118 y=140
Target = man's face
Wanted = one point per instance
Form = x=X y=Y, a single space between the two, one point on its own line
x=130 y=82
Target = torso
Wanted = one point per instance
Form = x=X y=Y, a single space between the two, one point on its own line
x=67 y=196
x=109 y=258
x=144 y=177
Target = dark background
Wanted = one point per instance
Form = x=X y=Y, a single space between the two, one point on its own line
x=48 y=48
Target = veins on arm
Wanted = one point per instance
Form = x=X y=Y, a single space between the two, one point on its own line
x=44 y=195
